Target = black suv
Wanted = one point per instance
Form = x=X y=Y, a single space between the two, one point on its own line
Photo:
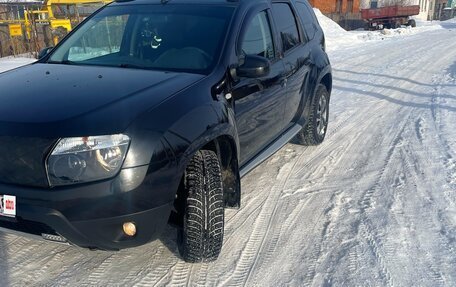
x=150 y=112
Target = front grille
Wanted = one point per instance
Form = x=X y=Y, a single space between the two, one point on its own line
x=22 y=160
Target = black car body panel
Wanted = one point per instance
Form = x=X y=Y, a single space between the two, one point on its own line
x=80 y=97
x=168 y=115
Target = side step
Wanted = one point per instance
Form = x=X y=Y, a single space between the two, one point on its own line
x=55 y=238
x=271 y=149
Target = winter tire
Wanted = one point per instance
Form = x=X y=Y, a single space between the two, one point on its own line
x=201 y=237
x=315 y=130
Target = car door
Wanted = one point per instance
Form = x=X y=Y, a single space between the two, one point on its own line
x=258 y=102
x=296 y=57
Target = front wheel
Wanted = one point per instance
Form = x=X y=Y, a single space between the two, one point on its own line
x=201 y=237
x=314 y=131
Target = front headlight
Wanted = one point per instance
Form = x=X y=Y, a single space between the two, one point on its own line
x=85 y=159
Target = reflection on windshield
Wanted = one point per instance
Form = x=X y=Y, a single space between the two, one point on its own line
x=171 y=37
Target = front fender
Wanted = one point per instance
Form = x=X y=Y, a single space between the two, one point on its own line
x=200 y=127
x=220 y=135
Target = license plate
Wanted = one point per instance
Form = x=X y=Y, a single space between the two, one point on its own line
x=8 y=205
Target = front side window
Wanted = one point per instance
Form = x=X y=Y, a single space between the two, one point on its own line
x=157 y=37
x=286 y=24
x=258 y=37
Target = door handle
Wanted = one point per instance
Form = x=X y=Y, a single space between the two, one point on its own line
x=284 y=83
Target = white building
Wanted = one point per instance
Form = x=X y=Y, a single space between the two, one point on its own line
x=426 y=6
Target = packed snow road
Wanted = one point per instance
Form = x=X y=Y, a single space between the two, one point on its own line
x=374 y=205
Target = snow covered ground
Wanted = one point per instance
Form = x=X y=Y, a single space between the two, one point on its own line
x=374 y=205
x=11 y=63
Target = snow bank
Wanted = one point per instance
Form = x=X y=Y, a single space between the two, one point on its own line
x=334 y=34
x=386 y=33
x=337 y=37
x=9 y=63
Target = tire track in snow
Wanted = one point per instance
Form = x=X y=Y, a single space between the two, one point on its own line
x=181 y=274
x=45 y=265
x=77 y=261
x=261 y=228
x=443 y=148
x=408 y=214
x=22 y=254
x=101 y=272
x=449 y=161
x=433 y=271
x=154 y=271
x=202 y=274
x=240 y=223
x=284 y=219
x=366 y=227
x=316 y=243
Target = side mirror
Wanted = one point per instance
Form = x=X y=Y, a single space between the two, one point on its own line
x=43 y=53
x=253 y=67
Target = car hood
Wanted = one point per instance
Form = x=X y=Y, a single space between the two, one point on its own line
x=60 y=100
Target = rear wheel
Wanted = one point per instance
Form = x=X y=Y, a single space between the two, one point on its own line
x=315 y=130
x=412 y=23
x=201 y=236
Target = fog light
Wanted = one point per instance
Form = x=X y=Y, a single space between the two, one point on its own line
x=129 y=228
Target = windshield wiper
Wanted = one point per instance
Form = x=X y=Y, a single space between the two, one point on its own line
x=133 y=66
x=63 y=62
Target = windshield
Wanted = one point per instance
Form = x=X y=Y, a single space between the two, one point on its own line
x=159 y=37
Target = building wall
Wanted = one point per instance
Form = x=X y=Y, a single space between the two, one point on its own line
x=336 y=6
x=426 y=9
x=344 y=12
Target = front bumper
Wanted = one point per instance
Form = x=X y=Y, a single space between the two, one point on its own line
x=92 y=215
x=104 y=233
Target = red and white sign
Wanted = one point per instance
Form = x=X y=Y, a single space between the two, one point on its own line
x=8 y=205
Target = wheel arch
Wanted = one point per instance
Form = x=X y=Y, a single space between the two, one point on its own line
x=224 y=142
x=324 y=77
x=326 y=80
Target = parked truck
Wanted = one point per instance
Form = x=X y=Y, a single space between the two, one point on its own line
x=390 y=17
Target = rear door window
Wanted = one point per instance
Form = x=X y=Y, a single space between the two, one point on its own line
x=308 y=19
x=286 y=25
